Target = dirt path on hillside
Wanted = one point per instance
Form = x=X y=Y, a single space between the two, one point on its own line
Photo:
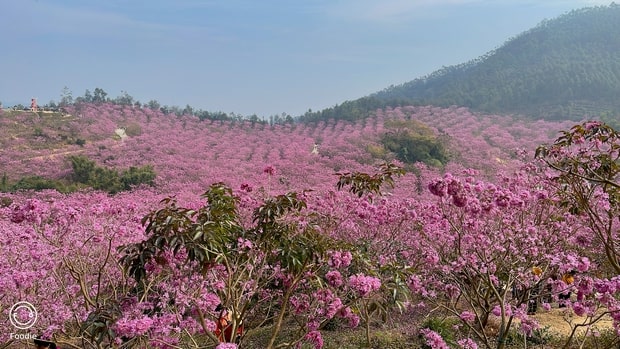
x=561 y=322
x=54 y=155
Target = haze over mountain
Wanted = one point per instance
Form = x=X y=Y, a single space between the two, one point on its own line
x=564 y=68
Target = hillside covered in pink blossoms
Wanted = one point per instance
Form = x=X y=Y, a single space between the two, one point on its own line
x=189 y=154
x=458 y=241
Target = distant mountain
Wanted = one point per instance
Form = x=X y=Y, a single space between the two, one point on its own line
x=564 y=68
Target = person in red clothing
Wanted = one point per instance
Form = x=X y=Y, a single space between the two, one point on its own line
x=225 y=326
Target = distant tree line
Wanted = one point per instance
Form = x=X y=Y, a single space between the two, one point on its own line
x=353 y=110
x=99 y=96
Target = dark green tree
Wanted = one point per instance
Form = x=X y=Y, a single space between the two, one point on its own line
x=100 y=96
x=82 y=168
x=412 y=142
x=66 y=97
x=135 y=176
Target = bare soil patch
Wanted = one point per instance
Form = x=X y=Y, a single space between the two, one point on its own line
x=561 y=321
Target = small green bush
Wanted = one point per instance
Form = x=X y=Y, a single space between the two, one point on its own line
x=443 y=326
x=606 y=338
x=87 y=172
x=39 y=183
x=412 y=141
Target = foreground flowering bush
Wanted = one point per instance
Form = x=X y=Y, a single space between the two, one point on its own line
x=272 y=269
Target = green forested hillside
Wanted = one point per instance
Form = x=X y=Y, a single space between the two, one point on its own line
x=565 y=68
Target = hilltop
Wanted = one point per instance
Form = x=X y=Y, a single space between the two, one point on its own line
x=564 y=68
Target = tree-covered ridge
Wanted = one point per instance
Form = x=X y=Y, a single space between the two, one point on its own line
x=564 y=68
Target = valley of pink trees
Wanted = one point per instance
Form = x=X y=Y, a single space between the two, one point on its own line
x=457 y=242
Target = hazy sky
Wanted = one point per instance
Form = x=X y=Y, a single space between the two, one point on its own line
x=247 y=56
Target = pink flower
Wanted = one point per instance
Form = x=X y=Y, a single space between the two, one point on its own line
x=244 y=244
x=315 y=338
x=333 y=307
x=348 y=314
x=528 y=326
x=592 y=124
x=583 y=264
x=364 y=285
x=579 y=309
x=270 y=170
x=334 y=278
x=300 y=303
x=339 y=259
x=438 y=187
x=433 y=339
x=467 y=316
x=134 y=327
x=497 y=310
x=246 y=187
x=467 y=343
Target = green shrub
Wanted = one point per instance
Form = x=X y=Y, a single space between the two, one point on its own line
x=105 y=179
x=82 y=168
x=606 y=338
x=87 y=172
x=443 y=326
x=135 y=176
x=40 y=183
x=539 y=337
x=412 y=141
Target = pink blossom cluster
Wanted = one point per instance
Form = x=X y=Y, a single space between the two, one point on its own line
x=315 y=338
x=334 y=278
x=433 y=339
x=364 y=285
x=352 y=318
x=340 y=259
x=132 y=328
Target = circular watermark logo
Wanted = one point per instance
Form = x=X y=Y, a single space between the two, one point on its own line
x=23 y=315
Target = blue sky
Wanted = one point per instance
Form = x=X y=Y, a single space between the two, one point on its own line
x=261 y=57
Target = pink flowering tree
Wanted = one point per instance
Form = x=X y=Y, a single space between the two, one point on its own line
x=490 y=247
x=275 y=268
x=61 y=258
x=585 y=174
x=587 y=169
x=260 y=273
